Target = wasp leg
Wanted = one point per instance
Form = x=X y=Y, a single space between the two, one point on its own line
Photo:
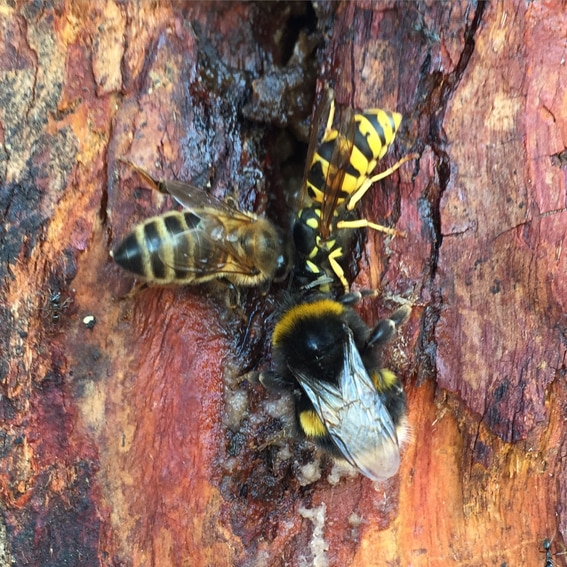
x=336 y=267
x=364 y=223
x=360 y=192
x=331 y=116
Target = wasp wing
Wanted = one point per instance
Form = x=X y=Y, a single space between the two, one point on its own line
x=318 y=129
x=328 y=159
x=338 y=166
x=355 y=416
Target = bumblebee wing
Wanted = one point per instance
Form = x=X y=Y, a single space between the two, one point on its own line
x=355 y=417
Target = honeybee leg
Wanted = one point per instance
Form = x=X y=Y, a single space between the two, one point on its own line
x=386 y=328
x=232 y=201
x=357 y=195
x=230 y=291
x=233 y=295
x=336 y=267
x=364 y=223
x=138 y=286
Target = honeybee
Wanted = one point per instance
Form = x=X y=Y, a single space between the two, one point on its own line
x=338 y=174
x=345 y=402
x=208 y=240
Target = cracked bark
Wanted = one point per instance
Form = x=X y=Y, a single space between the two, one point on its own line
x=135 y=442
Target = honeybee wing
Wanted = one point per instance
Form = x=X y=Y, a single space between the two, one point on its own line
x=355 y=416
x=190 y=196
x=209 y=252
x=196 y=200
x=215 y=236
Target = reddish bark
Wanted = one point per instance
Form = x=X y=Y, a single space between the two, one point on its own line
x=137 y=442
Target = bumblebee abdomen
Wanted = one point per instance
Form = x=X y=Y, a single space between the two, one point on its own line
x=309 y=424
x=157 y=249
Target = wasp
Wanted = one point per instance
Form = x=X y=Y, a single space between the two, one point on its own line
x=207 y=240
x=338 y=174
x=345 y=401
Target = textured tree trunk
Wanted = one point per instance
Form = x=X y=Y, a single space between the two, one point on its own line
x=130 y=434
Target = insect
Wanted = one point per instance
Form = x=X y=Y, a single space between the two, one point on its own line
x=208 y=240
x=546 y=544
x=547 y=548
x=55 y=305
x=338 y=174
x=345 y=402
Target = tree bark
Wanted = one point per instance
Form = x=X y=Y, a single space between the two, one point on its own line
x=135 y=438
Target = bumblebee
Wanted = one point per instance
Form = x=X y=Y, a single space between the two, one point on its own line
x=338 y=174
x=208 y=240
x=345 y=402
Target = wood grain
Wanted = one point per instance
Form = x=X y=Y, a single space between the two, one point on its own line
x=140 y=441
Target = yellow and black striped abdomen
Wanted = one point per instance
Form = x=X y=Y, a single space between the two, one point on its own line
x=374 y=132
x=166 y=249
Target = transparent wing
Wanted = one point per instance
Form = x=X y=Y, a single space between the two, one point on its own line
x=339 y=164
x=197 y=200
x=208 y=249
x=333 y=146
x=355 y=417
x=318 y=126
x=190 y=196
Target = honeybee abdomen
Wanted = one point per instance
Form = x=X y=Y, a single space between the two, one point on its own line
x=156 y=249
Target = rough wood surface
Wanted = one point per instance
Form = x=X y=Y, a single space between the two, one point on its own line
x=137 y=441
